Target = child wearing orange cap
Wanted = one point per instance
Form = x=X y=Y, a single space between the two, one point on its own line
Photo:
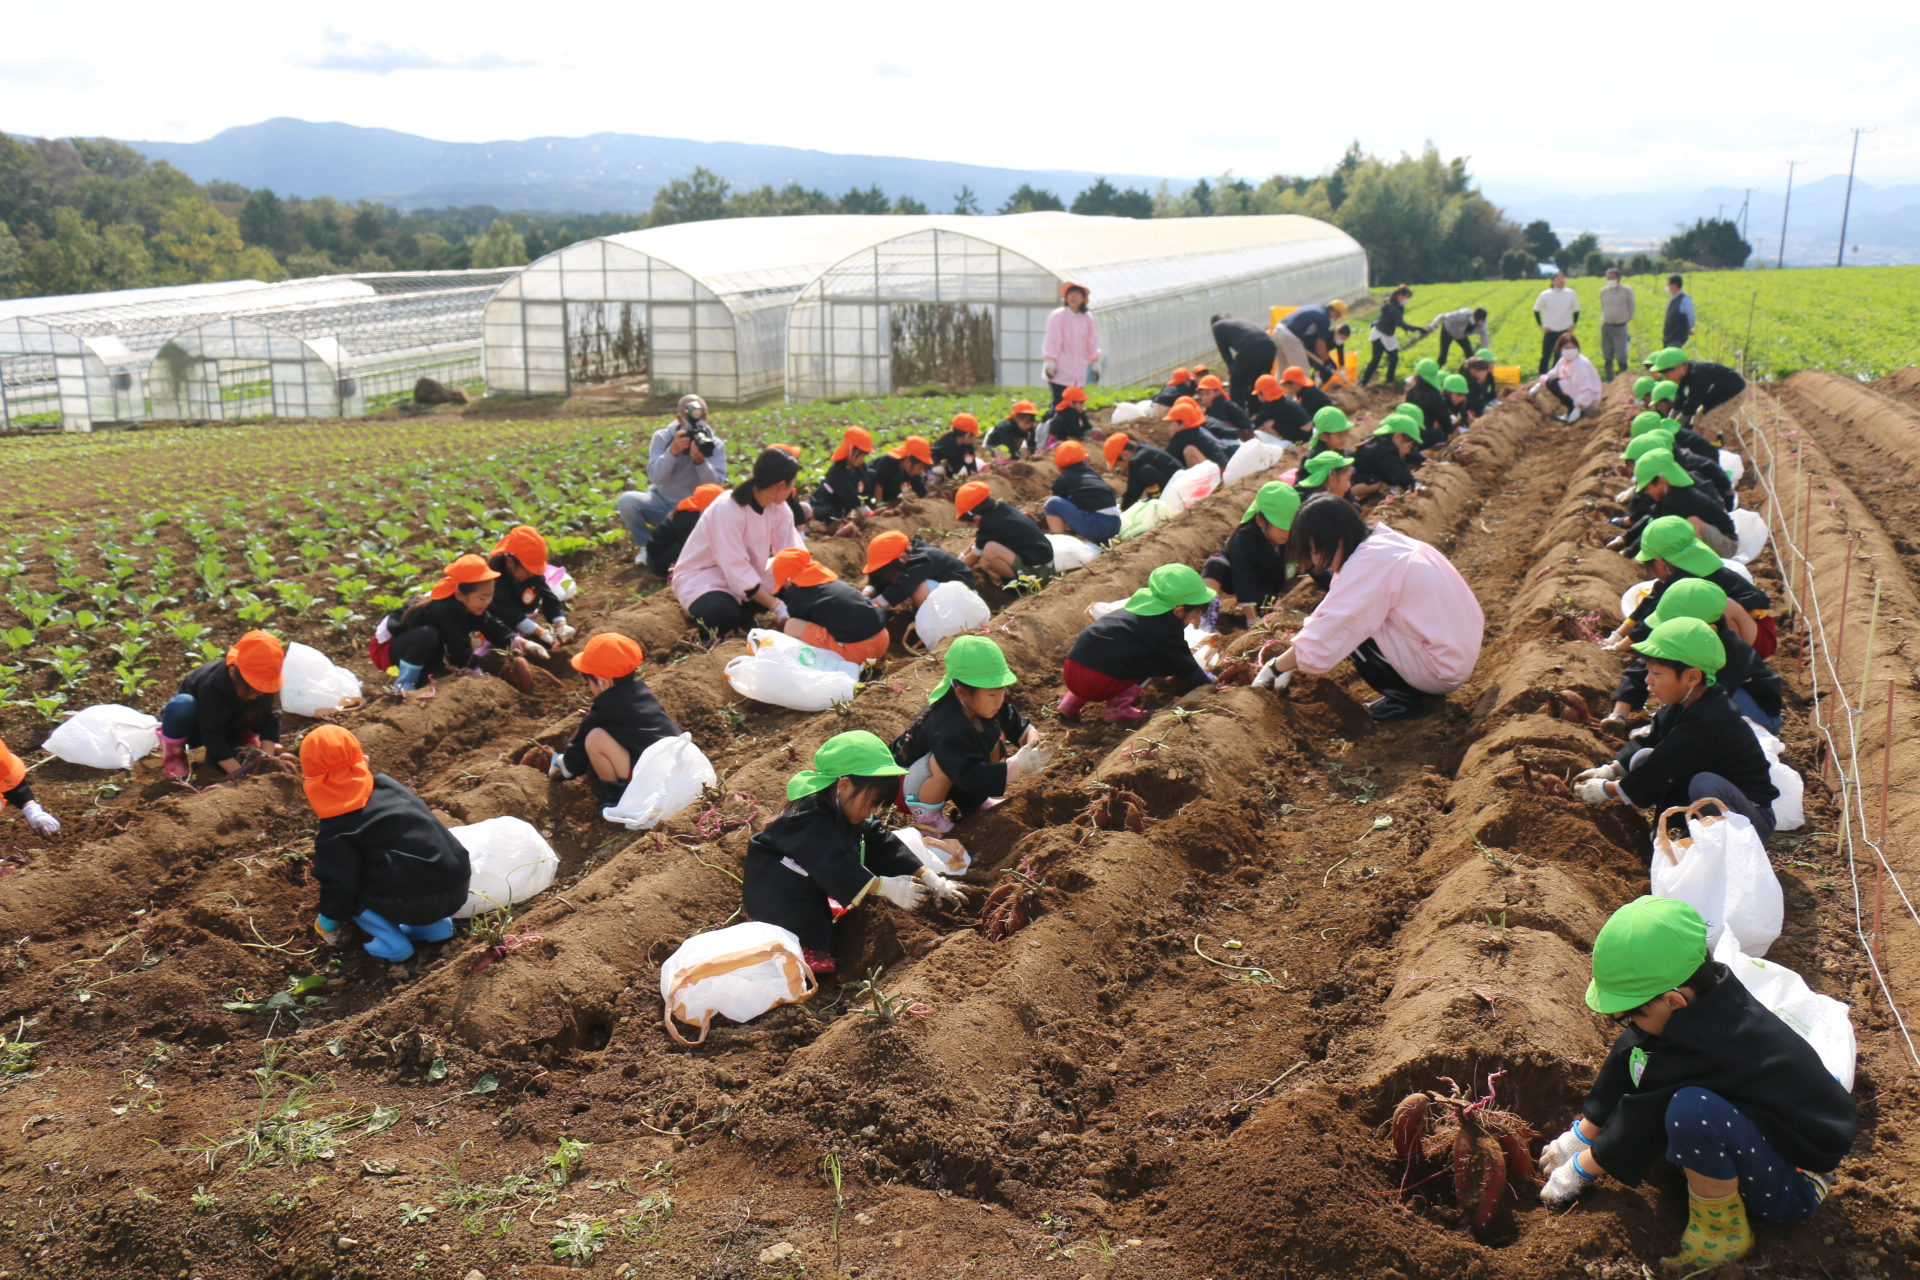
x=1181 y=383
x=224 y=705
x=824 y=611
x=1082 y=500
x=436 y=630
x=1211 y=396
x=664 y=547
x=382 y=859
x=1146 y=468
x=1277 y=415
x=520 y=559
x=954 y=451
x=901 y=467
x=1008 y=543
x=15 y=790
x=902 y=570
x=1191 y=442
x=1015 y=431
x=1069 y=420
x=624 y=720
x=849 y=480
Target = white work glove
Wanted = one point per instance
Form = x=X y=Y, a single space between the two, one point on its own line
x=1593 y=791
x=557 y=767
x=945 y=892
x=532 y=648
x=39 y=819
x=780 y=610
x=1565 y=1185
x=905 y=892
x=1641 y=734
x=1562 y=1148
x=1609 y=771
x=1268 y=678
x=562 y=632
x=1028 y=761
x=1050 y=369
x=544 y=636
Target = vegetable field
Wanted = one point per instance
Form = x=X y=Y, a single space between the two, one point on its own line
x=1860 y=321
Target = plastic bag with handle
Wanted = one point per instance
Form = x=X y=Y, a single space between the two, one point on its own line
x=510 y=863
x=1252 y=458
x=1143 y=517
x=564 y=587
x=784 y=671
x=1750 y=535
x=1789 y=807
x=1631 y=598
x=1720 y=869
x=1189 y=486
x=1733 y=464
x=737 y=973
x=945 y=857
x=950 y=609
x=109 y=736
x=310 y=684
x=1822 y=1021
x=667 y=777
x=1070 y=553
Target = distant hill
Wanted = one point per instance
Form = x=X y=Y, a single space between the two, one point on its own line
x=605 y=172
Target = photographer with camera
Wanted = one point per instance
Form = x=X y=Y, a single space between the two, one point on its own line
x=683 y=455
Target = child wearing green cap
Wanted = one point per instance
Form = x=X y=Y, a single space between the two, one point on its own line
x=1752 y=684
x=1113 y=659
x=1324 y=472
x=1643 y=390
x=1332 y=429
x=1252 y=564
x=1706 y=470
x=827 y=851
x=1702 y=388
x=1482 y=391
x=1707 y=1077
x=1427 y=392
x=1664 y=488
x=971 y=743
x=1381 y=462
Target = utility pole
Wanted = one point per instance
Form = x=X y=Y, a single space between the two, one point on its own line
x=1840 y=256
x=1781 y=260
x=1744 y=202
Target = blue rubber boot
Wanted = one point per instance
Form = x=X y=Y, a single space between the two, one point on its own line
x=438 y=931
x=411 y=674
x=387 y=940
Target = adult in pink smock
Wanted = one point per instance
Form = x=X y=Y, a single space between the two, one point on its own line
x=1395 y=607
x=722 y=577
x=1071 y=347
x=1573 y=381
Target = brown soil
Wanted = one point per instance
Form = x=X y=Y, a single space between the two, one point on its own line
x=1091 y=1097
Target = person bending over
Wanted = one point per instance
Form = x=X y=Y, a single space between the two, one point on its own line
x=522 y=589
x=624 y=720
x=814 y=605
x=1752 y=685
x=1083 y=503
x=1146 y=468
x=1252 y=565
x=1112 y=660
x=1191 y=442
x=1015 y=432
x=971 y=743
x=1247 y=351
x=1069 y=420
x=1326 y=472
x=433 y=634
x=904 y=571
x=953 y=452
x=1232 y=420
x=1664 y=488
x=229 y=703
x=848 y=484
x=1380 y=463
x=1276 y=413
x=1007 y=543
x=1385 y=335
x=900 y=468
x=722 y=579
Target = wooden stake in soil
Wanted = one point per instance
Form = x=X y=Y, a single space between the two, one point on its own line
x=1840 y=637
x=1806 y=545
x=1880 y=858
x=1866 y=659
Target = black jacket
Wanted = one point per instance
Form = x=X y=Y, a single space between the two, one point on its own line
x=1707 y=737
x=889 y=478
x=1200 y=438
x=973 y=758
x=810 y=854
x=1704 y=387
x=1011 y=436
x=21 y=796
x=632 y=717
x=454 y=628
x=1174 y=390
x=1313 y=400
x=1069 y=424
x=1015 y=530
x=1437 y=409
x=1729 y=1043
x=1147 y=473
x=1258 y=568
x=513 y=602
x=842 y=490
x=1283 y=417
x=1233 y=336
x=1080 y=485
x=664 y=547
x=1696 y=499
x=1481 y=395
x=1131 y=646
x=848 y=616
x=898 y=581
x=390 y=850
x=1378 y=461
x=1229 y=415
x=1393 y=317
x=954 y=451
x=1738 y=589
x=221 y=719
x=1747 y=670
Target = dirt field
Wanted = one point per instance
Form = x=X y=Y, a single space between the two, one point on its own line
x=1099 y=1095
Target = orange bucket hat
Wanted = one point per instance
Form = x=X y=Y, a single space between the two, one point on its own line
x=1020 y=407
x=1067 y=285
x=913 y=447
x=967 y=423
x=796 y=567
x=792 y=450
x=1296 y=375
x=259 y=655
x=855 y=438
x=1186 y=400
x=1187 y=414
x=335 y=772
x=12 y=769
x=1179 y=376
x=1267 y=387
x=1068 y=453
x=466 y=569
x=1072 y=395
x=609 y=656
x=1211 y=383
x=702 y=498
x=885 y=549
x=971 y=495
x=1113 y=446
x=524 y=543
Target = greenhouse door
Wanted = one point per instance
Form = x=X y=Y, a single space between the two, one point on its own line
x=543 y=325
x=948 y=343
x=70 y=375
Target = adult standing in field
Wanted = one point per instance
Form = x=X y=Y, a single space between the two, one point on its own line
x=1466 y=328
x=1306 y=338
x=1557 y=310
x=1681 y=319
x=1248 y=352
x=1385 y=335
x=724 y=577
x=1616 y=313
x=1071 y=348
x=682 y=456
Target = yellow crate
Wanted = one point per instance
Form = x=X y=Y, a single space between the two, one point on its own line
x=1276 y=314
x=1506 y=375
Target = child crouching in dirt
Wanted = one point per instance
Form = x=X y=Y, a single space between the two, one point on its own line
x=953 y=453
x=1009 y=544
x=1382 y=461
x=434 y=632
x=1697 y=747
x=382 y=859
x=15 y=790
x=903 y=571
x=520 y=559
x=1325 y=472
x=1015 y=431
x=663 y=548
x=227 y=704
x=849 y=481
x=1112 y=660
x=1749 y=681
x=826 y=852
x=1707 y=1077
x=624 y=720
x=1082 y=502
x=971 y=742
x=1253 y=563
x=816 y=606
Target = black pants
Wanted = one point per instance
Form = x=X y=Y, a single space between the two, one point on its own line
x=1632 y=688
x=1553 y=385
x=422 y=646
x=1054 y=392
x=1548 y=339
x=1448 y=342
x=719 y=613
x=1249 y=363
x=425 y=907
x=1392 y=358
x=1378 y=672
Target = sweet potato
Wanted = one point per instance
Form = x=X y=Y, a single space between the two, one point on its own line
x=1464 y=1183
x=1410 y=1125
x=1490 y=1173
x=1519 y=1159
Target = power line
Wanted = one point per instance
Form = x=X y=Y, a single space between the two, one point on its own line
x=1840 y=255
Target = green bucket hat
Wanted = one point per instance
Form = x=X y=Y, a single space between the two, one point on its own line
x=1484 y=353
x=1667 y=357
x=1646 y=442
x=1687 y=641
x=1690 y=598
x=976 y=661
x=1671 y=538
x=1317 y=468
x=1659 y=464
x=1428 y=371
x=1649 y=421
x=1277 y=502
x=1642 y=385
x=1668 y=390
x=858 y=754
x=1645 y=949
x=1329 y=420
x=1456 y=382
x=1418 y=414
x=1399 y=424
x=1168 y=586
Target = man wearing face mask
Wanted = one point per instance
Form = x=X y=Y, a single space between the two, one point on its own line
x=681 y=456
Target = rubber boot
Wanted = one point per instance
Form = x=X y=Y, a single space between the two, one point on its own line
x=820 y=962
x=385 y=939
x=611 y=793
x=1120 y=708
x=1070 y=704
x=173 y=758
x=1398 y=705
x=438 y=931
x=1717 y=1231
x=929 y=817
x=410 y=675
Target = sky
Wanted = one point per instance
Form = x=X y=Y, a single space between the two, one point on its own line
x=1577 y=99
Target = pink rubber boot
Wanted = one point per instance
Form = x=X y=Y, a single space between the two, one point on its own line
x=1070 y=704
x=173 y=758
x=1120 y=708
x=929 y=817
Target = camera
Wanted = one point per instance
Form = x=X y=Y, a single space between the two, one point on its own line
x=701 y=436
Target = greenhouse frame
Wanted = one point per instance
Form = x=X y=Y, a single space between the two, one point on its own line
x=965 y=301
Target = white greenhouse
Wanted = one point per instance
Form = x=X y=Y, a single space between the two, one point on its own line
x=965 y=301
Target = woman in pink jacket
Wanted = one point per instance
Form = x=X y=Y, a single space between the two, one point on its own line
x=1573 y=380
x=721 y=577
x=1395 y=606
x=1072 y=345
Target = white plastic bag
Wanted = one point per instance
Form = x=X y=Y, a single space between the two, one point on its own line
x=564 y=587
x=940 y=861
x=1750 y=535
x=950 y=609
x=1143 y=517
x=1789 y=807
x=1821 y=1021
x=1252 y=458
x=310 y=684
x=779 y=644
x=1631 y=598
x=1189 y=486
x=1132 y=411
x=1721 y=870
x=1733 y=464
x=667 y=778
x=1070 y=553
x=510 y=863
x=784 y=671
x=109 y=736
x=1738 y=568
x=1101 y=608
x=737 y=973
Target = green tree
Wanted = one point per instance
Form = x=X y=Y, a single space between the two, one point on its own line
x=1027 y=198
x=1103 y=199
x=263 y=220
x=13 y=265
x=907 y=204
x=872 y=200
x=1541 y=242
x=1340 y=181
x=1595 y=263
x=501 y=246
x=198 y=242
x=1711 y=242
x=965 y=203
x=790 y=200
x=1517 y=264
x=699 y=197
x=1576 y=250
